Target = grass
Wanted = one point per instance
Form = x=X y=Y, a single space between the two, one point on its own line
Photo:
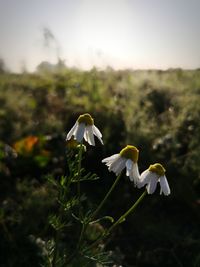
x=157 y=111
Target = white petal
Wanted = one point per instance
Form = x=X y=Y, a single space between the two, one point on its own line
x=151 y=187
x=80 y=132
x=164 y=186
x=90 y=136
x=72 y=131
x=118 y=165
x=111 y=158
x=145 y=174
x=128 y=173
x=97 y=133
x=134 y=174
x=144 y=178
x=113 y=165
x=86 y=136
x=129 y=164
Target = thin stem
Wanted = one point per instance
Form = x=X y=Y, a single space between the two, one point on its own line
x=129 y=211
x=81 y=236
x=99 y=207
x=106 y=197
x=96 y=242
x=78 y=245
x=120 y=220
x=79 y=174
x=79 y=202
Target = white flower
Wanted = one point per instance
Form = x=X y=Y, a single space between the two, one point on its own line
x=150 y=177
x=127 y=158
x=85 y=128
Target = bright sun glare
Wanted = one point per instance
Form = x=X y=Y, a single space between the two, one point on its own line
x=105 y=31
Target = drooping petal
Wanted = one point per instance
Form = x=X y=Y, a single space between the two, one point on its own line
x=89 y=134
x=112 y=166
x=118 y=165
x=86 y=136
x=129 y=165
x=72 y=131
x=134 y=174
x=110 y=159
x=80 y=132
x=128 y=173
x=164 y=186
x=151 y=186
x=97 y=133
x=144 y=178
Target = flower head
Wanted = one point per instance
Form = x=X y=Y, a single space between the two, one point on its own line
x=85 y=128
x=150 y=177
x=127 y=158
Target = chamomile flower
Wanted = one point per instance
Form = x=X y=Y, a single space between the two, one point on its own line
x=85 y=128
x=127 y=158
x=153 y=175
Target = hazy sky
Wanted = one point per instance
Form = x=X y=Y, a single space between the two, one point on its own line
x=119 y=33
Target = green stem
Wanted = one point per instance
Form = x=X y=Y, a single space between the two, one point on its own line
x=96 y=242
x=77 y=247
x=106 y=197
x=81 y=236
x=129 y=211
x=84 y=227
x=99 y=207
x=79 y=174
x=120 y=220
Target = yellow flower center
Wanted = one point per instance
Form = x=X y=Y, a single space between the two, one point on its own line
x=130 y=152
x=86 y=118
x=157 y=168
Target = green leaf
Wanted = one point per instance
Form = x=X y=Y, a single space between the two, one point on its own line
x=103 y=258
x=56 y=222
x=63 y=180
x=87 y=177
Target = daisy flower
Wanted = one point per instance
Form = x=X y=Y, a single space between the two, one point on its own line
x=150 y=177
x=127 y=158
x=85 y=128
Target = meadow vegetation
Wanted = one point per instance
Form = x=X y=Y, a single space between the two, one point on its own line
x=156 y=111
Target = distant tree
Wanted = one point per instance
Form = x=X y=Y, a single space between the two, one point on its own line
x=46 y=66
x=60 y=66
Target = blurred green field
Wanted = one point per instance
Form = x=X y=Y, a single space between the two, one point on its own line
x=157 y=111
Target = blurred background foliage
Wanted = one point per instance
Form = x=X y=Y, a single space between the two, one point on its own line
x=157 y=111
